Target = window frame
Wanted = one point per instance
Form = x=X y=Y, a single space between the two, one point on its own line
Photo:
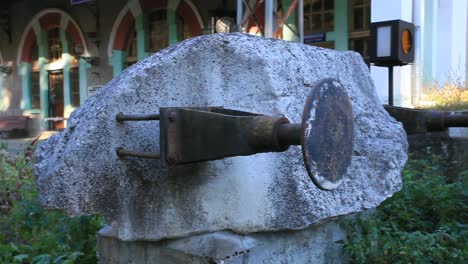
x=360 y=34
x=309 y=14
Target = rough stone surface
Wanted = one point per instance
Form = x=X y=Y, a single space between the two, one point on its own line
x=79 y=172
x=316 y=244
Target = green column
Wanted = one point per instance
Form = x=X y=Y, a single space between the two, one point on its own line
x=118 y=61
x=290 y=32
x=25 y=72
x=43 y=75
x=66 y=58
x=172 y=26
x=140 y=23
x=83 y=67
x=340 y=33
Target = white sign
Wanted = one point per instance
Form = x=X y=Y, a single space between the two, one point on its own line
x=93 y=89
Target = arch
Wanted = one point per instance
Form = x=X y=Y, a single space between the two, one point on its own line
x=124 y=23
x=47 y=19
x=124 y=30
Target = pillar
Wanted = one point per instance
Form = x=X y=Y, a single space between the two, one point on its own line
x=340 y=31
x=172 y=26
x=83 y=67
x=142 y=38
x=117 y=61
x=43 y=75
x=25 y=72
x=66 y=58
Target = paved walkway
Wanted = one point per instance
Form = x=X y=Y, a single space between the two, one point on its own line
x=18 y=145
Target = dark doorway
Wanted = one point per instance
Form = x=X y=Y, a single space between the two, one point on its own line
x=56 y=104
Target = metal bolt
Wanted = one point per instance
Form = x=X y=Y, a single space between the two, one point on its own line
x=171 y=159
x=172 y=116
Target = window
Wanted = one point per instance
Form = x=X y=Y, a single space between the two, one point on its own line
x=132 y=51
x=75 y=87
x=318 y=16
x=360 y=15
x=183 y=31
x=158 y=31
x=35 y=94
x=359 y=35
x=54 y=44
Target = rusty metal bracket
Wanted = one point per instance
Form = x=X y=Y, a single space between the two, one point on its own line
x=189 y=135
x=326 y=134
x=422 y=121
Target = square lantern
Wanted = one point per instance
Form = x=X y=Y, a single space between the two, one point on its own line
x=392 y=43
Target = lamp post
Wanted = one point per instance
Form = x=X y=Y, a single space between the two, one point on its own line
x=391 y=45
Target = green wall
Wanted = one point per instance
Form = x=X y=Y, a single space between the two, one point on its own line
x=340 y=34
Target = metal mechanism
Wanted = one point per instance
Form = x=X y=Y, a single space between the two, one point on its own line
x=189 y=135
x=421 y=121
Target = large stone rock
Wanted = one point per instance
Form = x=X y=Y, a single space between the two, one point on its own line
x=79 y=172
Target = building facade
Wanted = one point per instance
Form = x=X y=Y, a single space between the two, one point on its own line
x=54 y=54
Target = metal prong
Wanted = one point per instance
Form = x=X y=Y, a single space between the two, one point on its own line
x=122 y=117
x=128 y=153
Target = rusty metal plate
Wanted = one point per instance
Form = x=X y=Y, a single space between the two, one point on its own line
x=327 y=134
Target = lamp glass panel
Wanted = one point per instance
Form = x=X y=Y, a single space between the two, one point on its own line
x=384 y=37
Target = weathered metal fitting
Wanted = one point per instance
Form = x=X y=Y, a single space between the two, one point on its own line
x=172 y=116
x=120 y=117
x=262 y=133
x=121 y=152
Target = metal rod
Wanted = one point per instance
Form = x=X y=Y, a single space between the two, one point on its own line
x=301 y=21
x=289 y=134
x=128 y=153
x=239 y=15
x=268 y=19
x=285 y=18
x=454 y=120
x=252 y=13
x=122 y=117
x=390 y=85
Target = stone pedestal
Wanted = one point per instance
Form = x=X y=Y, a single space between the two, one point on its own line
x=316 y=244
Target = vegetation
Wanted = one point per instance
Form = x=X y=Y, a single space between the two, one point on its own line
x=423 y=223
x=30 y=234
x=448 y=97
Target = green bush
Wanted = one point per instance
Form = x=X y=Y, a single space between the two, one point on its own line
x=423 y=223
x=30 y=234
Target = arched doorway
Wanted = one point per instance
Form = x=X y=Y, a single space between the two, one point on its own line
x=136 y=33
x=52 y=74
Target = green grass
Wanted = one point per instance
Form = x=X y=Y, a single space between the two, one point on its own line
x=423 y=223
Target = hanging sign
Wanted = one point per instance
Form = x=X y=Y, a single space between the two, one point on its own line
x=314 y=38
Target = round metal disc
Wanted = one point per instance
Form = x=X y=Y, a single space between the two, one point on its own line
x=327 y=134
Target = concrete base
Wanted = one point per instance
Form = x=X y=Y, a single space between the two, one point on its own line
x=316 y=244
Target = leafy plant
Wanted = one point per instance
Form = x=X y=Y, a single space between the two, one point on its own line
x=448 y=97
x=30 y=234
x=423 y=223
